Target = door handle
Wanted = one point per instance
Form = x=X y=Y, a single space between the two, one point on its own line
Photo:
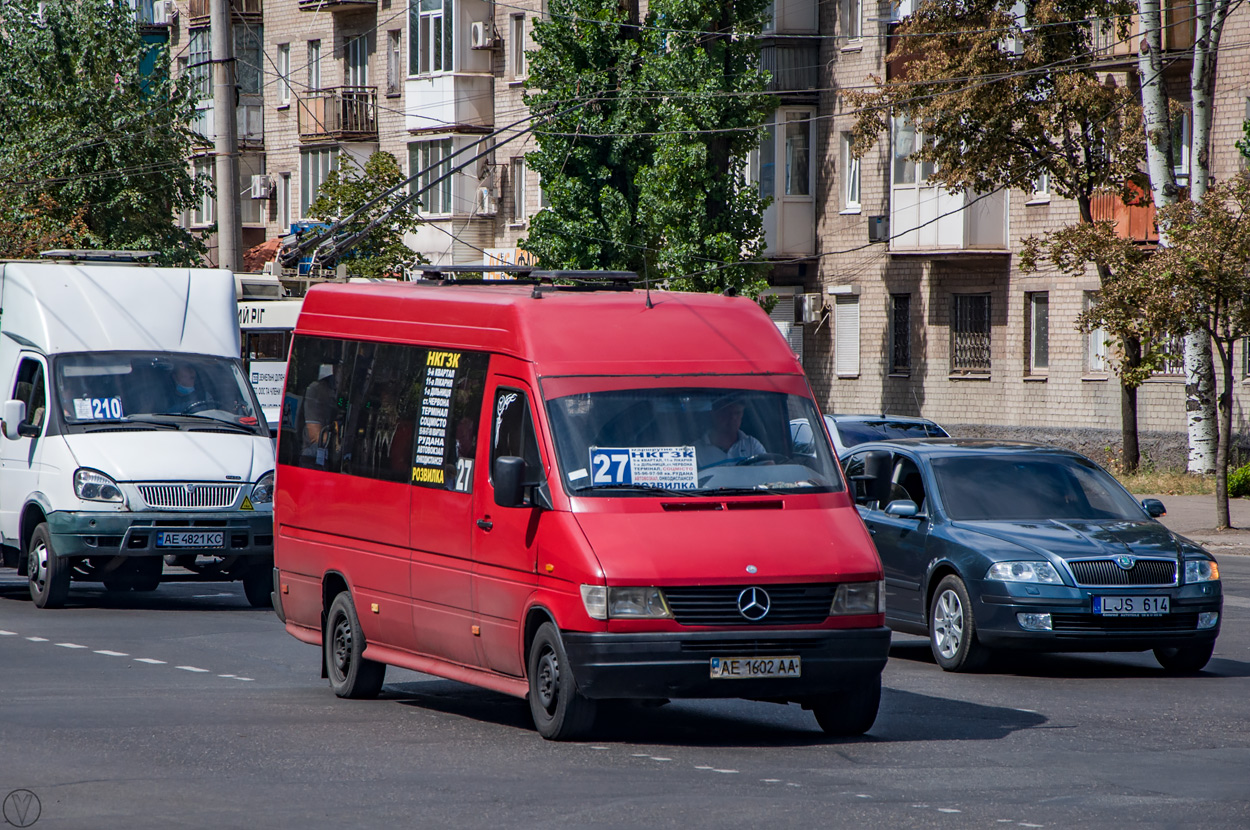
x=872 y=531
x=485 y=524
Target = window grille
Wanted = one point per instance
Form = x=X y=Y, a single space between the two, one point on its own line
x=970 y=333
x=900 y=333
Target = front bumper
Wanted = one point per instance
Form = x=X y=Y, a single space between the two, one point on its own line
x=245 y=533
x=678 y=664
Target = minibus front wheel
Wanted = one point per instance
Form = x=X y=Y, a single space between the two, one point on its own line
x=351 y=675
x=560 y=712
x=48 y=574
x=850 y=713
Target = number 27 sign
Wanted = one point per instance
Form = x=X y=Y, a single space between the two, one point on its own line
x=668 y=467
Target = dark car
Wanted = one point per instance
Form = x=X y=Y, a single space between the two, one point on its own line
x=990 y=545
x=849 y=430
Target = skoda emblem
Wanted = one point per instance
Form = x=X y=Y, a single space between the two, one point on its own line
x=751 y=569
x=1125 y=561
x=190 y=488
x=753 y=603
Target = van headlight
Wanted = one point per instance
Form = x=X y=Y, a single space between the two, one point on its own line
x=262 y=490
x=93 y=485
x=1201 y=570
x=625 y=603
x=858 y=598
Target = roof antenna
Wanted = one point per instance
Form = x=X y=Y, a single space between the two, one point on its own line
x=646 y=276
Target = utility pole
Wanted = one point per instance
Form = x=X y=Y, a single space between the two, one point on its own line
x=225 y=138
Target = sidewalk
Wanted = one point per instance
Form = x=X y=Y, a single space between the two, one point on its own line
x=1194 y=517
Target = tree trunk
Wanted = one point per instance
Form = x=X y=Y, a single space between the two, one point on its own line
x=1130 y=452
x=1225 y=433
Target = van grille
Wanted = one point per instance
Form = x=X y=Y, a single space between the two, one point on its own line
x=718 y=604
x=1107 y=572
x=189 y=496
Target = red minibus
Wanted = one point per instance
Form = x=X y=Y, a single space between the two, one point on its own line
x=569 y=494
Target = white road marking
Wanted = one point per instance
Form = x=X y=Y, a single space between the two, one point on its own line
x=210 y=596
x=4 y=633
x=1024 y=824
x=149 y=660
x=792 y=784
x=70 y=645
x=38 y=639
x=108 y=653
x=244 y=679
x=771 y=780
x=862 y=795
x=948 y=810
x=1238 y=602
x=191 y=668
x=658 y=758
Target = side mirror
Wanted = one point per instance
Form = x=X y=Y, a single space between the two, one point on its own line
x=1154 y=508
x=509 y=476
x=903 y=508
x=14 y=415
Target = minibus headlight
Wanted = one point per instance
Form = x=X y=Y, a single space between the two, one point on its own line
x=858 y=598
x=637 y=603
x=595 y=598
x=92 y=485
x=1201 y=570
x=262 y=490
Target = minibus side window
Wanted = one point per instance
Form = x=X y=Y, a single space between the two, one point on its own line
x=31 y=391
x=466 y=414
x=382 y=410
x=514 y=432
x=314 y=411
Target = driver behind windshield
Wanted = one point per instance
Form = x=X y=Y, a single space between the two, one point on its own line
x=724 y=438
x=188 y=396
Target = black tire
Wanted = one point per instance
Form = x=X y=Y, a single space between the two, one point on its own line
x=48 y=573
x=953 y=628
x=258 y=587
x=351 y=675
x=850 y=713
x=560 y=713
x=1185 y=659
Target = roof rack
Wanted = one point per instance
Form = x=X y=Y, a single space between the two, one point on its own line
x=542 y=280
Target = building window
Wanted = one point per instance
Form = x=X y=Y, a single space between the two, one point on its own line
x=1041 y=188
x=518 y=190
x=284 y=202
x=203 y=213
x=315 y=166
x=798 y=153
x=768 y=162
x=430 y=36
x=356 y=52
x=846 y=334
x=429 y=158
x=1095 y=341
x=314 y=64
x=284 y=74
x=850 y=176
x=970 y=334
x=394 y=72
x=199 y=63
x=852 y=32
x=1182 y=124
x=1038 y=304
x=517 y=38
x=249 y=58
x=1173 y=360
x=900 y=334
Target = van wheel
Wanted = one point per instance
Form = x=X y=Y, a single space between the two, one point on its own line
x=351 y=675
x=257 y=586
x=952 y=629
x=49 y=575
x=1185 y=659
x=850 y=713
x=560 y=713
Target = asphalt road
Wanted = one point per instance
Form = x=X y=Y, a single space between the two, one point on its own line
x=187 y=708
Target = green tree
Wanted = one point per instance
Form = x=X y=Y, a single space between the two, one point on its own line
x=1002 y=100
x=648 y=174
x=85 y=133
x=380 y=251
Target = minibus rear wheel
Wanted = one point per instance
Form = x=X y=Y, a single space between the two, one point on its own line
x=850 y=713
x=560 y=713
x=351 y=675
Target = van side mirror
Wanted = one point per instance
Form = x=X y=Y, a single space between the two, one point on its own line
x=874 y=484
x=1153 y=507
x=14 y=416
x=509 y=478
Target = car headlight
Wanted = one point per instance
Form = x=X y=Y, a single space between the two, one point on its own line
x=92 y=485
x=1201 y=570
x=625 y=603
x=1043 y=572
x=262 y=490
x=858 y=598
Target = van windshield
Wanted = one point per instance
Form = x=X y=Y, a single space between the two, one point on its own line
x=181 y=389
x=698 y=440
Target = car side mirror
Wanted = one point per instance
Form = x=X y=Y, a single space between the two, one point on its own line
x=903 y=508
x=14 y=415
x=1154 y=508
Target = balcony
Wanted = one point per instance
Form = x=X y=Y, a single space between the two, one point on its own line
x=335 y=5
x=930 y=220
x=1178 y=31
x=240 y=10
x=460 y=102
x=340 y=113
x=1133 y=214
x=794 y=64
x=249 y=121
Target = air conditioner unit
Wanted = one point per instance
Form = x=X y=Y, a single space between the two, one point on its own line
x=809 y=308
x=487 y=205
x=480 y=35
x=262 y=187
x=879 y=228
x=164 y=12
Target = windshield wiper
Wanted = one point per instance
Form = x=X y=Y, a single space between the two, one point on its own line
x=637 y=488
x=744 y=491
x=144 y=420
x=222 y=421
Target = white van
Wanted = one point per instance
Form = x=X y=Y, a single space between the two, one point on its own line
x=130 y=430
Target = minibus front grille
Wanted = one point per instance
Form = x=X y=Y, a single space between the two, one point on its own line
x=188 y=496
x=753 y=647
x=719 y=604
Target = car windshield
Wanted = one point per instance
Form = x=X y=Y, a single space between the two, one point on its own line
x=153 y=387
x=1030 y=488
x=858 y=432
x=697 y=440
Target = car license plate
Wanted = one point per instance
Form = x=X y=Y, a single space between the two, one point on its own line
x=745 y=668
x=190 y=539
x=1131 y=606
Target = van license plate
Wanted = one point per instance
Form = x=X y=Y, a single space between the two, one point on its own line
x=190 y=539
x=1131 y=606
x=744 y=668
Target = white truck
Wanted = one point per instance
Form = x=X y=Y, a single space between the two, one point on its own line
x=130 y=431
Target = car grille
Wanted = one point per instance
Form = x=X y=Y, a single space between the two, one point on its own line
x=1107 y=572
x=1093 y=624
x=753 y=647
x=188 y=496
x=718 y=604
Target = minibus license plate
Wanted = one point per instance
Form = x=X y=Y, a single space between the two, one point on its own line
x=744 y=668
x=1130 y=606
x=190 y=539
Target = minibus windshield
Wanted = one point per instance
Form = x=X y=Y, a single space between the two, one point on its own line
x=155 y=387
x=697 y=440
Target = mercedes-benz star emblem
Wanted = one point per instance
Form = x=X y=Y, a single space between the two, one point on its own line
x=1125 y=561
x=753 y=603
